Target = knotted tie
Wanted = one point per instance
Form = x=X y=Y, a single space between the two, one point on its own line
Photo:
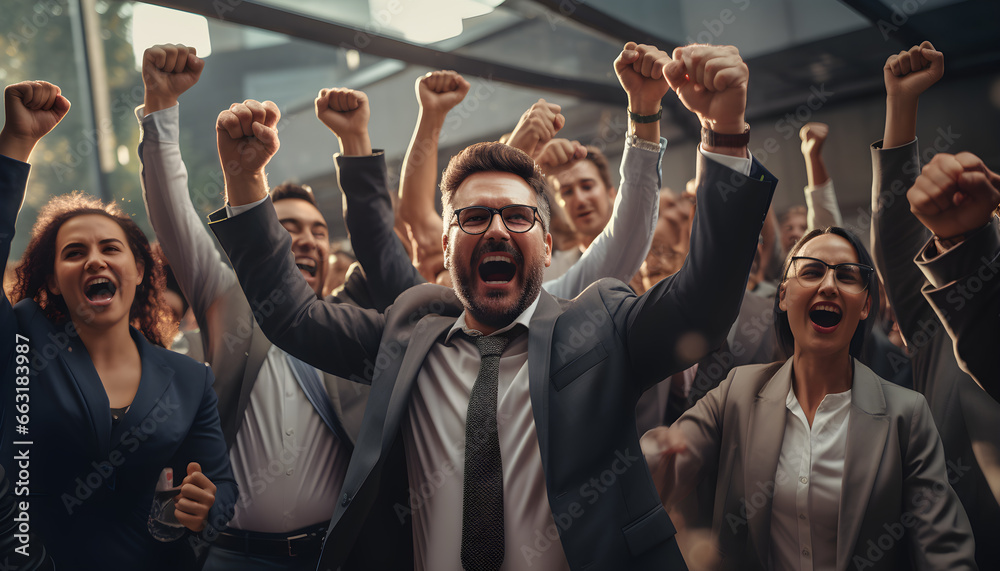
x=482 y=507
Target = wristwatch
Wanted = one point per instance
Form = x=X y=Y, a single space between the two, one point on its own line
x=710 y=138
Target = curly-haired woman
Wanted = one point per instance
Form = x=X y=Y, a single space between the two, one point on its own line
x=94 y=406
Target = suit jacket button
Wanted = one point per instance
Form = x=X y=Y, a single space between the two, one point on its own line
x=346 y=500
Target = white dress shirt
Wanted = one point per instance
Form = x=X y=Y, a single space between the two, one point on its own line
x=808 y=485
x=434 y=440
x=288 y=464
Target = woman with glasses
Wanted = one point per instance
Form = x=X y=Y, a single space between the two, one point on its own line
x=817 y=463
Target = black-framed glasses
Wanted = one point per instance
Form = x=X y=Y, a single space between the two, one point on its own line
x=518 y=218
x=850 y=277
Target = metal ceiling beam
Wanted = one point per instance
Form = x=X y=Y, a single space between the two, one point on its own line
x=254 y=14
x=605 y=23
x=891 y=24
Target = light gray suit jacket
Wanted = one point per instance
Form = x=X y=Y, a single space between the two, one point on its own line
x=897 y=510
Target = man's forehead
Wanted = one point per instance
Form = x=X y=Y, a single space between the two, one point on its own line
x=493 y=189
x=582 y=170
x=298 y=210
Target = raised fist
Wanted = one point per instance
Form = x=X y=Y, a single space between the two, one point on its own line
x=344 y=111
x=640 y=71
x=813 y=136
x=32 y=108
x=439 y=91
x=168 y=71
x=909 y=73
x=559 y=154
x=954 y=194
x=537 y=126
x=711 y=81
x=247 y=137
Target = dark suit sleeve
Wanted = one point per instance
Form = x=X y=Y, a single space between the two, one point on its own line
x=335 y=337
x=964 y=290
x=205 y=445
x=897 y=235
x=13 y=178
x=369 y=217
x=939 y=527
x=678 y=321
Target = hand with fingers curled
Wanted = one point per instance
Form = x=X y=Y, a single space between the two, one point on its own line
x=168 y=70
x=247 y=137
x=346 y=112
x=195 y=498
x=438 y=92
x=661 y=446
x=813 y=135
x=559 y=154
x=911 y=72
x=711 y=81
x=639 y=68
x=537 y=126
x=31 y=110
x=954 y=195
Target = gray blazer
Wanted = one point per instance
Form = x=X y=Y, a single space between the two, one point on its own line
x=589 y=360
x=969 y=422
x=895 y=480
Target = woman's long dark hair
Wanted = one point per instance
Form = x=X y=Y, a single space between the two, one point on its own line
x=149 y=313
x=781 y=327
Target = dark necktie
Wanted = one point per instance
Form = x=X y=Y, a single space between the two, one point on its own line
x=482 y=506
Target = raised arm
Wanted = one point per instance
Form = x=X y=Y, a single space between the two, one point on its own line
x=619 y=250
x=680 y=319
x=31 y=110
x=897 y=235
x=956 y=198
x=437 y=93
x=821 y=200
x=361 y=175
x=337 y=338
x=536 y=127
x=167 y=72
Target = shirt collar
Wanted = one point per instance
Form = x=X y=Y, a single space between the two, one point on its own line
x=835 y=400
x=522 y=319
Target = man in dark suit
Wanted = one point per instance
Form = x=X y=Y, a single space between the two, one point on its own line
x=571 y=489
x=956 y=198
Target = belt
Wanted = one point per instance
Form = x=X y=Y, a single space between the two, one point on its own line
x=305 y=542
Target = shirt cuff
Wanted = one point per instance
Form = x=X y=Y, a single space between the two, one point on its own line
x=166 y=123
x=738 y=164
x=232 y=211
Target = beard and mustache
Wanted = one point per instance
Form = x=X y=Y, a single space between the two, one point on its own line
x=493 y=309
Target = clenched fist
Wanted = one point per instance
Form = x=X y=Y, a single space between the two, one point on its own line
x=247 y=139
x=167 y=72
x=711 y=81
x=440 y=91
x=640 y=71
x=954 y=194
x=346 y=113
x=909 y=73
x=33 y=108
x=537 y=126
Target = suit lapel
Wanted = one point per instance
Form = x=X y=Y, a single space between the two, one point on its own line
x=427 y=332
x=88 y=382
x=867 y=431
x=156 y=378
x=539 y=352
x=765 y=432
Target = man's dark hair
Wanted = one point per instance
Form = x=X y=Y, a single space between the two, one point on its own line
x=784 y=331
x=494 y=157
x=293 y=190
x=595 y=156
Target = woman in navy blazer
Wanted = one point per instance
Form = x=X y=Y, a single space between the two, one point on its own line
x=93 y=408
x=817 y=462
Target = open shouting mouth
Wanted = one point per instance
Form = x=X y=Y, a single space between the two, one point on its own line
x=825 y=317
x=497 y=268
x=100 y=291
